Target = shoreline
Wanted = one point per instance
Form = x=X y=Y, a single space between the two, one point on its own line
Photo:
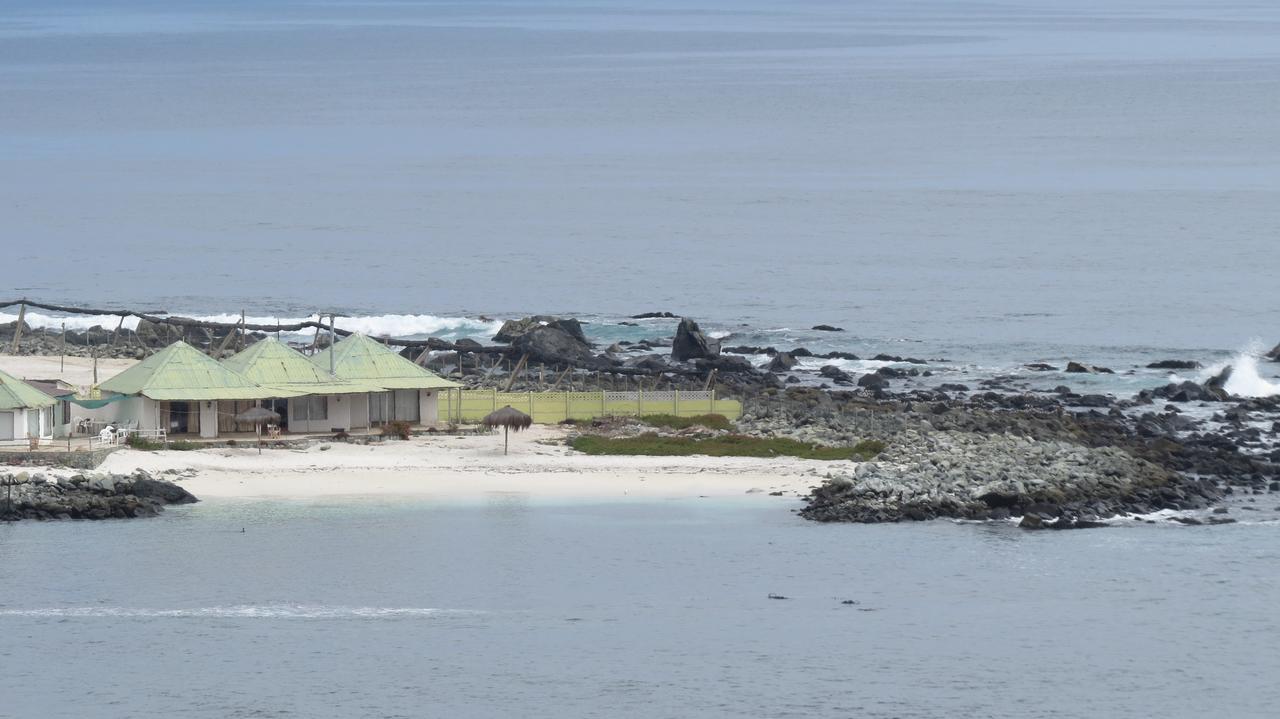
x=450 y=467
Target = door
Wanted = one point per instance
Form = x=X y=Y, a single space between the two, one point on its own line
x=6 y=425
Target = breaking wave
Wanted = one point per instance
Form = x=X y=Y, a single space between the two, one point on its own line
x=245 y=611
x=405 y=326
x=1246 y=380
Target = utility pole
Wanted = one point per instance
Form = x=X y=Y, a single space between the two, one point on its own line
x=62 y=361
x=332 y=340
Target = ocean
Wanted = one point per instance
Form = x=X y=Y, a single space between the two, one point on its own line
x=980 y=185
x=508 y=606
x=1011 y=178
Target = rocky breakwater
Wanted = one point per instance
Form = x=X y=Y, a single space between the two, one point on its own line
x=25 y=495
x=1055 y=484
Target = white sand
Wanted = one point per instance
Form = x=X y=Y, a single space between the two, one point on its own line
x=79 y=370
x=469 y=467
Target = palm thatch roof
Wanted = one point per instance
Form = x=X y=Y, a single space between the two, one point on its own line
x=508 y=417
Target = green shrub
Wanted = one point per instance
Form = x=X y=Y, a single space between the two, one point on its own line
x=671 y=421
x=142 y=443
x=184 y=445
x=734 y=445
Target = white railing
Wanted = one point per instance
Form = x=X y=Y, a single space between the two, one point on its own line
x=120 y=437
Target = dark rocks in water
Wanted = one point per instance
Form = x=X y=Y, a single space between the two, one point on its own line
x=1219 y=381
x=1174 y=364
x=873 y=380
x=725 y=363
x=835 y=374
x=92 y=497
x=554 y=345
x=748 y=350
x=1040 y=367
x=649 y=363
x=1274 y=354
x=1189 y=391
x=691 y=343
x=827 y=328
x=840 y=355
x=896 y=358
x=801 y=352
x=953 y=387
x=468 y=344
x=615 y=348
x=653 y=316
x=1081 y=368
x=166 y=492
x=782 y=362
x=512 y=330
x=1092 y=400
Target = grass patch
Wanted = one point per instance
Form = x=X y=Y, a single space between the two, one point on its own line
x=734 y=445
x=671 y=421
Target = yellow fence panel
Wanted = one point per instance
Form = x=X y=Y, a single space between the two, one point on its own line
x=553 y=407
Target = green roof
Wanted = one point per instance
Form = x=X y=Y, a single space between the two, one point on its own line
x=182 y=372
x=274 y=364
x=361 y=359
x=16 y=394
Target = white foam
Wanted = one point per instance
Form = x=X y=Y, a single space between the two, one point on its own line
x=245 y=611
x=390 y=325
x=1245 y=380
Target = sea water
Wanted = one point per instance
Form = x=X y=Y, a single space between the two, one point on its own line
x=1030 y=178
x=506 y=606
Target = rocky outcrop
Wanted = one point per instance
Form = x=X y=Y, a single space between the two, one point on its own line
x=973 y=476
x=782 y=362
x=512 y=330
x=690 y=343
x=827 y=328
x=554 y=345
x=1079 y=367
x=92 y=496
x=1274 y=354
x=1174 y=364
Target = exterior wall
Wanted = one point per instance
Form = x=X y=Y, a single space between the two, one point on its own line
x=208 y=419
x=428 y=407
x=359 y=409
x=339 y=407
x=28 y=423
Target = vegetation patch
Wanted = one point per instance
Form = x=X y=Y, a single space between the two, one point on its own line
x=733 y=445
x=398 y=429
x=671 y=421
x=149 y=445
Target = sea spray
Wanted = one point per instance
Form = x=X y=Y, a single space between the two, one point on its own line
x=1245 y=380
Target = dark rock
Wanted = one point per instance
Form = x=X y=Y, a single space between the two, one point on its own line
x=691 y=343
x=828 y=328
x=1031 y=521
x=1174 y=364
x=1078 y=367
x=653 y=315
x=835 y=374
x=1040 y=367
x=166 y=492
x=873 y=381
x=553 y=345
x=782 y=362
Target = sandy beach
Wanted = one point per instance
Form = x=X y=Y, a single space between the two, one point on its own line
x=77 y=371
x=467 y=467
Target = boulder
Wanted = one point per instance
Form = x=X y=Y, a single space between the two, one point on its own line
x=653 y=315
x=691 y=343
x=511 y=329
x=1274 y=354
x=835 y=374
x=1174 y=364
x=1079 y=367
x=827 y=328
x=782 y=362
x=873 y=380
x=468 y=344
x=1040 y=367
x=553 y=345
x=166 y=492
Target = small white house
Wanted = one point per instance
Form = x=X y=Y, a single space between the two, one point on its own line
x=26 y=413
x=409 y=393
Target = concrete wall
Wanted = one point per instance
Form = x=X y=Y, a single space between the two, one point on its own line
x=340 y=408
x=23 y=419
x=428 y=407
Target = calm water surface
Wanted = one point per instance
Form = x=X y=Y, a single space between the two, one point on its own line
x=507 y=607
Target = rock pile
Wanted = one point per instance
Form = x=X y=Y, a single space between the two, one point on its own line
x=86 y=496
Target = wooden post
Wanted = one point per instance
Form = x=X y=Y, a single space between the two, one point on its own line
x=675 y=403
x=241 y=329
x=640 y=402
x=62 y=362
x=116 y=333
x=94 y=351
x=566 y=404
x=17 y=330
x=515 y=372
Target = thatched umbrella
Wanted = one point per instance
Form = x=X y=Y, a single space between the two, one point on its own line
x=508 y=418
x=257 y=416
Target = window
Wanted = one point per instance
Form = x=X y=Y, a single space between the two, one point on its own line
x=311 y=409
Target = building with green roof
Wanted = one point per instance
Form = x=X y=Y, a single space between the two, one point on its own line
x=318 y=401
x=408 y=393
x=25 y=412
x=178 y=390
